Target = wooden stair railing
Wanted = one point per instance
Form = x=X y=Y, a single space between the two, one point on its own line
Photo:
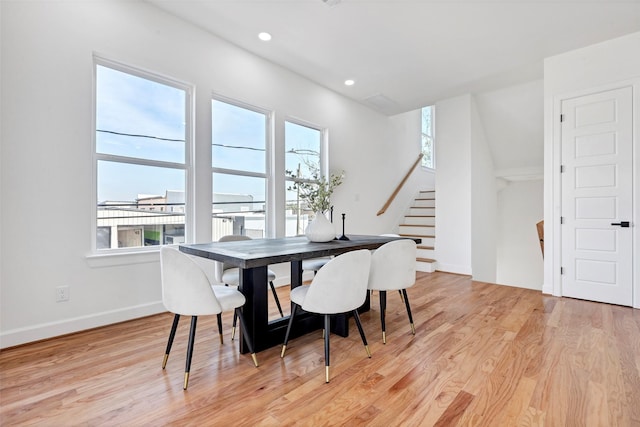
x=399 y=187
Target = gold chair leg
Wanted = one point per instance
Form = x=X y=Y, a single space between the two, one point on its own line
x=255 y=359
x=233 y=333
x=221 y=339
x=186 y=380
x=284 y=348
x=366 y=347
x=326 y=374
x=413 y=329
x=164 y=361
x=384 y=337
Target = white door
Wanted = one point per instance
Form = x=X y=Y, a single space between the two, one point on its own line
x=597 y=180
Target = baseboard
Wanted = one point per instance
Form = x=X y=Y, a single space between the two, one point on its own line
x=452 y=268
x=25 y=335
x=426 y=267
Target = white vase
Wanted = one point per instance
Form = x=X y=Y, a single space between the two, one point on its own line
x=320 y=229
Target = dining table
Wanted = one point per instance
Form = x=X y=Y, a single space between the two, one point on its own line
x=252 y=258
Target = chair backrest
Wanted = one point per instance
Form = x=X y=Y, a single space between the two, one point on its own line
x=232 y=238
x=393 y=266
x=210 y=267
x=341 y=285
x=185 y=287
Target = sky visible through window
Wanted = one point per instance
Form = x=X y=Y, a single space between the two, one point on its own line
x=239 y=143
x=302 y=149
x=141 y=119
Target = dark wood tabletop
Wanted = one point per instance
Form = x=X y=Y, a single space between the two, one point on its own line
x=260 y=252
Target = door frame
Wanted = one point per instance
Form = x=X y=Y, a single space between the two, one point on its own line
x=553 y=193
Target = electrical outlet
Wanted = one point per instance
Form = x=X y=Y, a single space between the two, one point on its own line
x=62 y=293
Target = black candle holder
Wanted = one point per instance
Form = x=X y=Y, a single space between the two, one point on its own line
x=343 y=237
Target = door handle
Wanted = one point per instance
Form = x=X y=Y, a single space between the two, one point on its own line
x=623 y=224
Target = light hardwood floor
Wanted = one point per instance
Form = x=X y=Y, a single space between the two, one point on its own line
x=483 y=354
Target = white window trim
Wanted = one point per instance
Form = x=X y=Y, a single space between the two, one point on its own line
x=433 y=138
x=118 y=256
x=267 y=174
x=324 y=156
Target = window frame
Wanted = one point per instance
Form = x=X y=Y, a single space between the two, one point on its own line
x=431 y=167
x=269 y=230
x=323 y=158
x=186 y=166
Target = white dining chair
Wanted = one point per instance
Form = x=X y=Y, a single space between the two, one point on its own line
x=231 y=277
x=186 y=291
x=314 y=264
x=339 y=287
x=391 y=235
x=393 y=267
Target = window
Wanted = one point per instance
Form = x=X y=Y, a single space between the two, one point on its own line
x=428 y=144
x=239 y=165
x=303 y=149
x=141 y=134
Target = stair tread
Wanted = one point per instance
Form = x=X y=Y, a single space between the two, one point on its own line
x=423 y=196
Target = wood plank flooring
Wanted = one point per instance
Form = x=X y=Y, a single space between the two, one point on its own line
x=483 y=355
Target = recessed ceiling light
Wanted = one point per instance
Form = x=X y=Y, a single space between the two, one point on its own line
x=264 y=36
x=349 y=82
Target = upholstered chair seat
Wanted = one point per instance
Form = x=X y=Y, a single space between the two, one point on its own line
x=314 y=264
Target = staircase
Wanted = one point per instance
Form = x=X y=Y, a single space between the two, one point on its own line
x=420 y=222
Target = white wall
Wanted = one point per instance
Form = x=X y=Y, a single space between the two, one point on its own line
x=483 y=203
x=385 y=164
x=520 y=208
x=404 y=126
x=453 y=185
x=46 y=167
x=512 y=118
x=598 y=67
x=466 y=201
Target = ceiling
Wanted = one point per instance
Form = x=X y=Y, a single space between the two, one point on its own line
x=404 y=54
